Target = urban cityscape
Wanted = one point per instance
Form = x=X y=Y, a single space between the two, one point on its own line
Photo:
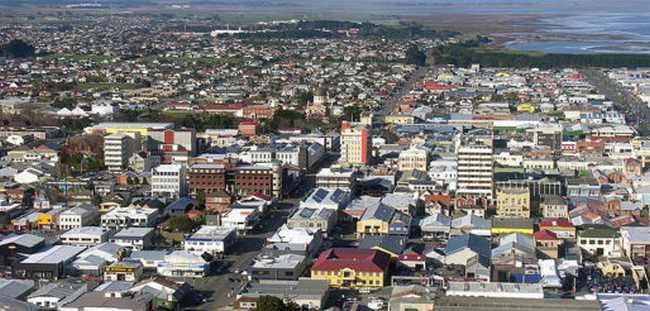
x=175 y=156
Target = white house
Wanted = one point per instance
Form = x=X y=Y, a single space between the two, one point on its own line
x=240 y=218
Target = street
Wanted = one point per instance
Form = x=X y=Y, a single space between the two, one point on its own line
x=223 y=281
x=403 y=89
x=637 y=113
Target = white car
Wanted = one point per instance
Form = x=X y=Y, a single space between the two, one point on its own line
x=376 y=304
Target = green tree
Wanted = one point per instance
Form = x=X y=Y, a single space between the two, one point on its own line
x=287 y=119
x=352 y=113
x=272 y=303
x=200 y=199
x=179 y=223
x=304 y=97
x=18 y=48
x=415 y=57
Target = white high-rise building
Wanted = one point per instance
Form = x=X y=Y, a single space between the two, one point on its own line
x=117 y=151
x=475 y=170
x=355 y=144
x=170 y=180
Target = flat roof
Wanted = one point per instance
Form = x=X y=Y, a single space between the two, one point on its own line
x=450 y=303
x=134 y=125
x=284 y=261
x=301 y=287
x=90 y=230
x=99 y=300
x=131 y=232
x=212 y=233
x=495 y=287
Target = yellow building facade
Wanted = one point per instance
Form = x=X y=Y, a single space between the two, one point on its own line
x=371 y=227
x=513 y=203
x=347 y=277
x=398 y=119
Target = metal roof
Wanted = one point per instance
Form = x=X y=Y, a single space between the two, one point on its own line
x=54 y=255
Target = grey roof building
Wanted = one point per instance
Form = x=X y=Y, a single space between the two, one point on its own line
x=435 y=226
x=310 y=293
x=54 y=295
x=393 y=244
x=307 y=217
x=278 y=266
x=328 y=198
x=471 y=251
x=90 y=300
x=15 y=288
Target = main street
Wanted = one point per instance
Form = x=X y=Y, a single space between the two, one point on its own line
x=403 y=89
x=637 y=112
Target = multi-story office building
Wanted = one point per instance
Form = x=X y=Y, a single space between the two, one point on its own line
x=264 y=178
x=170 y=180
x=475 y=158
x=355 y=144
x=207 y=177
x=118 y=148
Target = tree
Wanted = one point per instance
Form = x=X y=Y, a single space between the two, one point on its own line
x=304 y=97
x=287 y=119
x=200 y=198
x=18 y=48
x=272 y=303
x=415 y=57
x=179 y=223
x=352 y=113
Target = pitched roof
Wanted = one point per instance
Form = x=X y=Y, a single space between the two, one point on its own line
x=476 y=243
x=393 y=244
x=555 y=222
x=352 y=258
x=545 y=235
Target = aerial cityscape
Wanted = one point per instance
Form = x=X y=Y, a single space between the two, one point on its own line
x=406 y=155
